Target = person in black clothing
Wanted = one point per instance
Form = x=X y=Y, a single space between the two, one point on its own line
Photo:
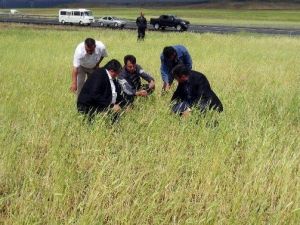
x=101 y=91
x=141 y=23
x=193 y=90
x=130 y=80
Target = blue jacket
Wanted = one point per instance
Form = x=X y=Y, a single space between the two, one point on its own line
x=183 y=56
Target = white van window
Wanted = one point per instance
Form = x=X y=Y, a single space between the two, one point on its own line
x=63 y=13
x=76 y=13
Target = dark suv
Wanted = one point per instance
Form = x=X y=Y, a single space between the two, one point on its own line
x=169 y=21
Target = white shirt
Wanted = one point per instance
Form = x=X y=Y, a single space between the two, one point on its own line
x=81 y=58
x=113 y=89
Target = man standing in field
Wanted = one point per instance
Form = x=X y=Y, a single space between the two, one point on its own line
x=130 y=79
x=88 y=55
x=193 y=90
x=170 y=57
x=141 y=23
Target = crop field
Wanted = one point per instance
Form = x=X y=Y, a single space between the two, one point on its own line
x=152 y=167
x=266 y=18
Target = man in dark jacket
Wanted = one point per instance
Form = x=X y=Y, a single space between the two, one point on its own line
x=141 y=23
x=131 y=82
x=193 y=90
x=101 y=91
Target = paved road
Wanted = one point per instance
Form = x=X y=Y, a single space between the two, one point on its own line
x=43 y=20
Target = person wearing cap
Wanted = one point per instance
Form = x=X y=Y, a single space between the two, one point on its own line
x=193 y=90
x=131 y=79
x=141 y=23
x=170 y=57
x=101 y=91
x=87 y=57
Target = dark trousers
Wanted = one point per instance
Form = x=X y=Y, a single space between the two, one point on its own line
x=141 y=33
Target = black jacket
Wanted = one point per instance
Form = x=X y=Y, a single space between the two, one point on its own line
x=141 y=22
x=196 y=91
x=96 y=94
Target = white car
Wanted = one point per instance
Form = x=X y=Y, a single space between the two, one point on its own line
x=111 y=21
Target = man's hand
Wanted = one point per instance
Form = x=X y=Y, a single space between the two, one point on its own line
x=73 y=87
x=186 y=113
x=142 y=93
x=116 y=108
x=166 y=87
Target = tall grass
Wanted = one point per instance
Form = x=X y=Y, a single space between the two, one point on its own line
x=152 y=167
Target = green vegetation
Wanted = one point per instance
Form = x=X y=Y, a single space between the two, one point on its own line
x=153 y=167
x=273 y=18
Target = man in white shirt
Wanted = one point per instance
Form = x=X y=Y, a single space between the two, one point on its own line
x=88 y=55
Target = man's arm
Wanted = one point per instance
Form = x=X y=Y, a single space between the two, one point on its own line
x=146 y=76
x=73 y=86
x=98 y=63
x=187 y=59
x=164 y=73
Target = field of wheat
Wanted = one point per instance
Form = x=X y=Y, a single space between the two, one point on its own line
x=152 y=167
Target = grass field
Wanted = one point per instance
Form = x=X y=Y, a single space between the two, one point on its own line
x=153 y=167
x=269 y=18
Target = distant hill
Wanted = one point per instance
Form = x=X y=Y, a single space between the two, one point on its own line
x=91 y=3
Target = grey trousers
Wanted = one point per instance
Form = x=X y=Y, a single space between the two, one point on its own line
x=82 y=75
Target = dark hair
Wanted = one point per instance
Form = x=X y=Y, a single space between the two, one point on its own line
x=114 y=65
x=90 y=42
x=180 y=70
x=129 y=58
x=168 y=51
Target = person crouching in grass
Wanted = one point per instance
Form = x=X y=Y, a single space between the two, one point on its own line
x=101 y=92
x=193 y=91
x=131 y=80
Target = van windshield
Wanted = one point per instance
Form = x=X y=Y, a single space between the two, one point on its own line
x=89 y=13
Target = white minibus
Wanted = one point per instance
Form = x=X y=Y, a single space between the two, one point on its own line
x=76 y=16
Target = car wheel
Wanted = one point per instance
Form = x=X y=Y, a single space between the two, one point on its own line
x=178 y=27
x=101 y=24
x=156 y=26
x=116 y=24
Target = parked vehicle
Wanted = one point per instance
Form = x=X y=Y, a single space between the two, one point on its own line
x=169 y=21
x=14 y=12
x=76 y=16
x=111 y=21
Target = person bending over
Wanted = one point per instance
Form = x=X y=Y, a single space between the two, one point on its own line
x=193 y=90
x=101 y=91
x=170 y=57
x=87 y=57
x=131 y=79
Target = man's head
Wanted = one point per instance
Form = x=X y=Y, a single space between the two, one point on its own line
x=170 y=53
x=130 y=63
x=90 y=45
x=114 y=67
x=181 y=73
x=142 y=14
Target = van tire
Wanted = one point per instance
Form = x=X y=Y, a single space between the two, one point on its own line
x=63 y=22
x=80 y=23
